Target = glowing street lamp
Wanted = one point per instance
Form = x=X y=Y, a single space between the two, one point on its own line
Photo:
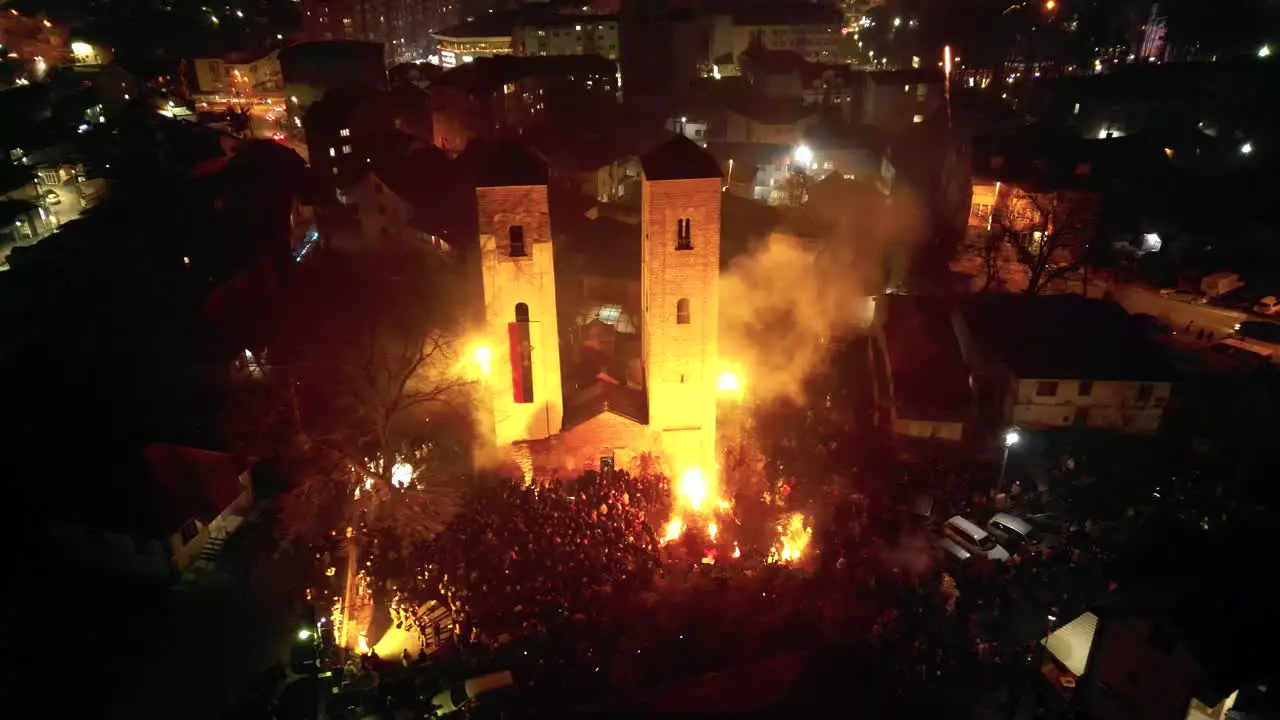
x=1246 y=148
x=1011 y=437
x=304 y=634
x=1264 y=51
x=803 y=155
x=1050 y=5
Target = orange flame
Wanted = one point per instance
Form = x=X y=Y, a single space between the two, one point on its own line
x=674 y=528
x=793 y=540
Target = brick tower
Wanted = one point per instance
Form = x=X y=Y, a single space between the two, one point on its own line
x=679 y=278
x=518 y=272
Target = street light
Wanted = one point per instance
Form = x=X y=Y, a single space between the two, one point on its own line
x=1264 y=51
x=304 y=634
x=1012 y=437
x=1246 y=148
x=803 y=155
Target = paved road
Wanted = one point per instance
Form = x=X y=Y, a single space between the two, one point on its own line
x=1178 y=315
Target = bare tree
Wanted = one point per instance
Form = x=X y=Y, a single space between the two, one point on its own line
x=1048 y=232
x=368 y=399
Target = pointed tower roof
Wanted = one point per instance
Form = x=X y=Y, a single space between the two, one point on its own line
x=679 y=159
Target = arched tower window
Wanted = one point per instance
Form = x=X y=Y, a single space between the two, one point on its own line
x=682 y=311
x=684 y=234
x=517 y=247
x=522 y=312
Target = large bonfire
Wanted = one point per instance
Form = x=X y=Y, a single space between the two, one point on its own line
x=698 y=505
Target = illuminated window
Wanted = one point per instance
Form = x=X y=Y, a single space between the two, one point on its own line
x=1076 y=110
x=682 y=311
x=522 y=312
x=917 y=118
x=346 y=149
x=344 y=132
x=609 y=314
x=684 y=234
x=516 y=236
x=333 y=152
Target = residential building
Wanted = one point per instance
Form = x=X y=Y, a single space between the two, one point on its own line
x=404 y=202
x=21 y=220
x=893 y=99
x=567 y=35
x=402 y=27
x=1037 y=190
x=324 y=20
x=1058 y=361
x=345 y=130
x=757 y=171
x=809 y=30
x=310 y=70
x=504 y=96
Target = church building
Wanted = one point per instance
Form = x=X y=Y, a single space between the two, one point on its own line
x=666 y=411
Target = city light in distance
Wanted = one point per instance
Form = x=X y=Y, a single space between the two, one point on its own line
x=1246 y=148
x=1264 y=51
x=1050 y=5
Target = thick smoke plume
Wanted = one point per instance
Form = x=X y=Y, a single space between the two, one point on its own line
x=782 y=302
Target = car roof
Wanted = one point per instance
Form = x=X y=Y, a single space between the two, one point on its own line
x=1013 y=522
x=968 y=527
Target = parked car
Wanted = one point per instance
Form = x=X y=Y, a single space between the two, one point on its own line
x=51 y=197
x=953 y=549
x=973 y=538
x=1269 y=305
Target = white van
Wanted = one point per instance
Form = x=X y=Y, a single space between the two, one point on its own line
x=973 y=538
x=462 y=693
x=953 y=549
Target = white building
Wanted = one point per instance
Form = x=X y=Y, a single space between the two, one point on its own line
x=810 y=31
x=1063 y=361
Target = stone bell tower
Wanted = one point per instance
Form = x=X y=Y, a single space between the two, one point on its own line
x=518 y=272
x=681 y=193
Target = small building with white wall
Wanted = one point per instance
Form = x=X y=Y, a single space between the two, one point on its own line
x=1064 y=361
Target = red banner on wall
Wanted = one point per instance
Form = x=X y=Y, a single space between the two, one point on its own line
x=521 y=362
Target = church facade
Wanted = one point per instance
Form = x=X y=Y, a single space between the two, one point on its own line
x=670 y=417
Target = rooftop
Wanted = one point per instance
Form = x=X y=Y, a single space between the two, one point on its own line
x=679 y=159
x=603 y=397
x=504 y=164
x=1064 y=336
x=927 y=369
x=486 y=26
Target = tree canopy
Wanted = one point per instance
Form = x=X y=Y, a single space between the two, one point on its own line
x=364 y=396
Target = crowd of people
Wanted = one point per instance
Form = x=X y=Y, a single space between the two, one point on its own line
x=523 y=558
